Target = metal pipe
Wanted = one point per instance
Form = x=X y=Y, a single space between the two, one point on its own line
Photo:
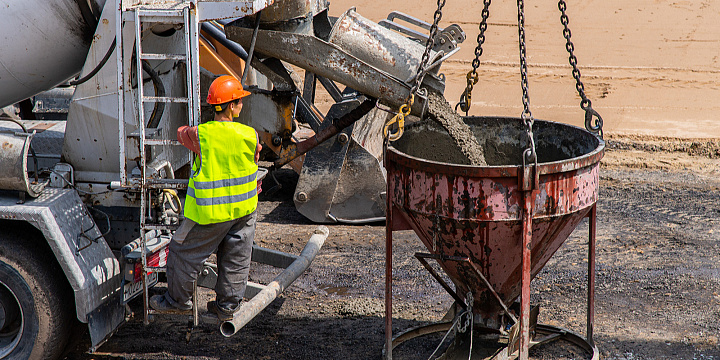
x=527 y=221
x=297 y=149
x=327 y=60
x=250 y=309
x=388 y=266
x=32 y=151
x=217 y=34
x=591 y=274
x=252 y=47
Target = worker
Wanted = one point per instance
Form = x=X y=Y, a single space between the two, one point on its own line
x=220 y=206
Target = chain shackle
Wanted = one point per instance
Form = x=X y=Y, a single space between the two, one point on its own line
x=593 y=120
x=466 y=97
x=463 y=326
x=399 y=118
x=472 y=76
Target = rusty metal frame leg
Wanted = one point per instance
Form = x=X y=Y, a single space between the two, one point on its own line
x=422 y=256
x=492 y=290
x=592 y=217
x=526 y=276
x=388 y=280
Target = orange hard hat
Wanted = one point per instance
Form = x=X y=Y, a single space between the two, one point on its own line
x=224 y=89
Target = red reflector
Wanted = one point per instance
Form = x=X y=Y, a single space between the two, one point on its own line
x=158 y=258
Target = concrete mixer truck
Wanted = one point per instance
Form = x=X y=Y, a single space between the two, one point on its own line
x=89 y=205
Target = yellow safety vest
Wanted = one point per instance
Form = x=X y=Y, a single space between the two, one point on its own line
x=224 y=182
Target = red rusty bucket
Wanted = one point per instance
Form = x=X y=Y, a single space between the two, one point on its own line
x=470 y=218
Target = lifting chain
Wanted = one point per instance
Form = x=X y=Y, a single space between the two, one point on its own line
x=468 y=314
x=472 y=76
x=529 y=155
x=404 y=110
x=593 y=120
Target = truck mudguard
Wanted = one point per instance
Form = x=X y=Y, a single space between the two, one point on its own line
x=88 y=263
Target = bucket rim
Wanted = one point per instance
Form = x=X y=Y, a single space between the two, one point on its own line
x=545 y=168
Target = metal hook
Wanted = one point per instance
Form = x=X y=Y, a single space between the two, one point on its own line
x=463 y=104
x=595 y=126
x=399 y=118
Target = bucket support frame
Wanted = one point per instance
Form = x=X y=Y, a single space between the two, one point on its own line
x=397 y=224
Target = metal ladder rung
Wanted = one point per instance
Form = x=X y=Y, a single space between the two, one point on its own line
x=161 y=227
x=157 y=269
x=166 y=183
x=158 y=142
x=165 y=99
x=148 y=56
x=175 y=312
x=165 y=16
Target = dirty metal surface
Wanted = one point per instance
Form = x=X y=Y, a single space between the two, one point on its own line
x=40 y=27
x=326 y=60
x=358 y=191
x=321 y=169
x=384 y=49
x=88 y=263
x=14 y=147
x=476 y=212
x=282 y=11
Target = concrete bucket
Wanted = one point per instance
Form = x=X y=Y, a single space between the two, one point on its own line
x=492 y=229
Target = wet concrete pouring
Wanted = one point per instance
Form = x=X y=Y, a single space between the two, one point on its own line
x=657 y=292
x=440 y=110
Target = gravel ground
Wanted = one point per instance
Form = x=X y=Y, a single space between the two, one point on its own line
x=657 y=291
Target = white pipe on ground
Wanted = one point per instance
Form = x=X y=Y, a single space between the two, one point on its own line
x=253 y=307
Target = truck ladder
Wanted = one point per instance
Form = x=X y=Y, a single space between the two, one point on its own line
x=148 y=138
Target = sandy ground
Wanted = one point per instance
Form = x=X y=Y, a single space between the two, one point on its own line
x=652 y=69
x=657 y=292
x=649 y=66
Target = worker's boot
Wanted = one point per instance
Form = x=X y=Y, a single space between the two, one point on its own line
x=161 y=304
x=222 y=313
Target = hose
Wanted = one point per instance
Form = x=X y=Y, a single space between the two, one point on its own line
x=159 y=107
x=217 y=34
x=95 y=70
x=168 y=196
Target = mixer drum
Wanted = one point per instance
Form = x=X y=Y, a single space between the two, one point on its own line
x=45 y=44
x=475 y=212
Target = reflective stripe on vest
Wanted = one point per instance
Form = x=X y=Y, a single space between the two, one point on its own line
x=224 y=185
x=228 y=199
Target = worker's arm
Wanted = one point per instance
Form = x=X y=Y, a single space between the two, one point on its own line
x=257 y=148
x=188 y=137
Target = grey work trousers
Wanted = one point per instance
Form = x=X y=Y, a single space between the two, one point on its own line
x=193 y=244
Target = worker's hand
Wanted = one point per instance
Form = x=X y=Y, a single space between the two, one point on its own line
x=258 y=148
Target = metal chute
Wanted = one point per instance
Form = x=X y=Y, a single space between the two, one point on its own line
x=342 y=179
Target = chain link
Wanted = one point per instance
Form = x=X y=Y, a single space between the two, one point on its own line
x=437 y=16
x=593 y=120
x=405 y=109
x=472 y=76
x=468 y=314
x=529 y=154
